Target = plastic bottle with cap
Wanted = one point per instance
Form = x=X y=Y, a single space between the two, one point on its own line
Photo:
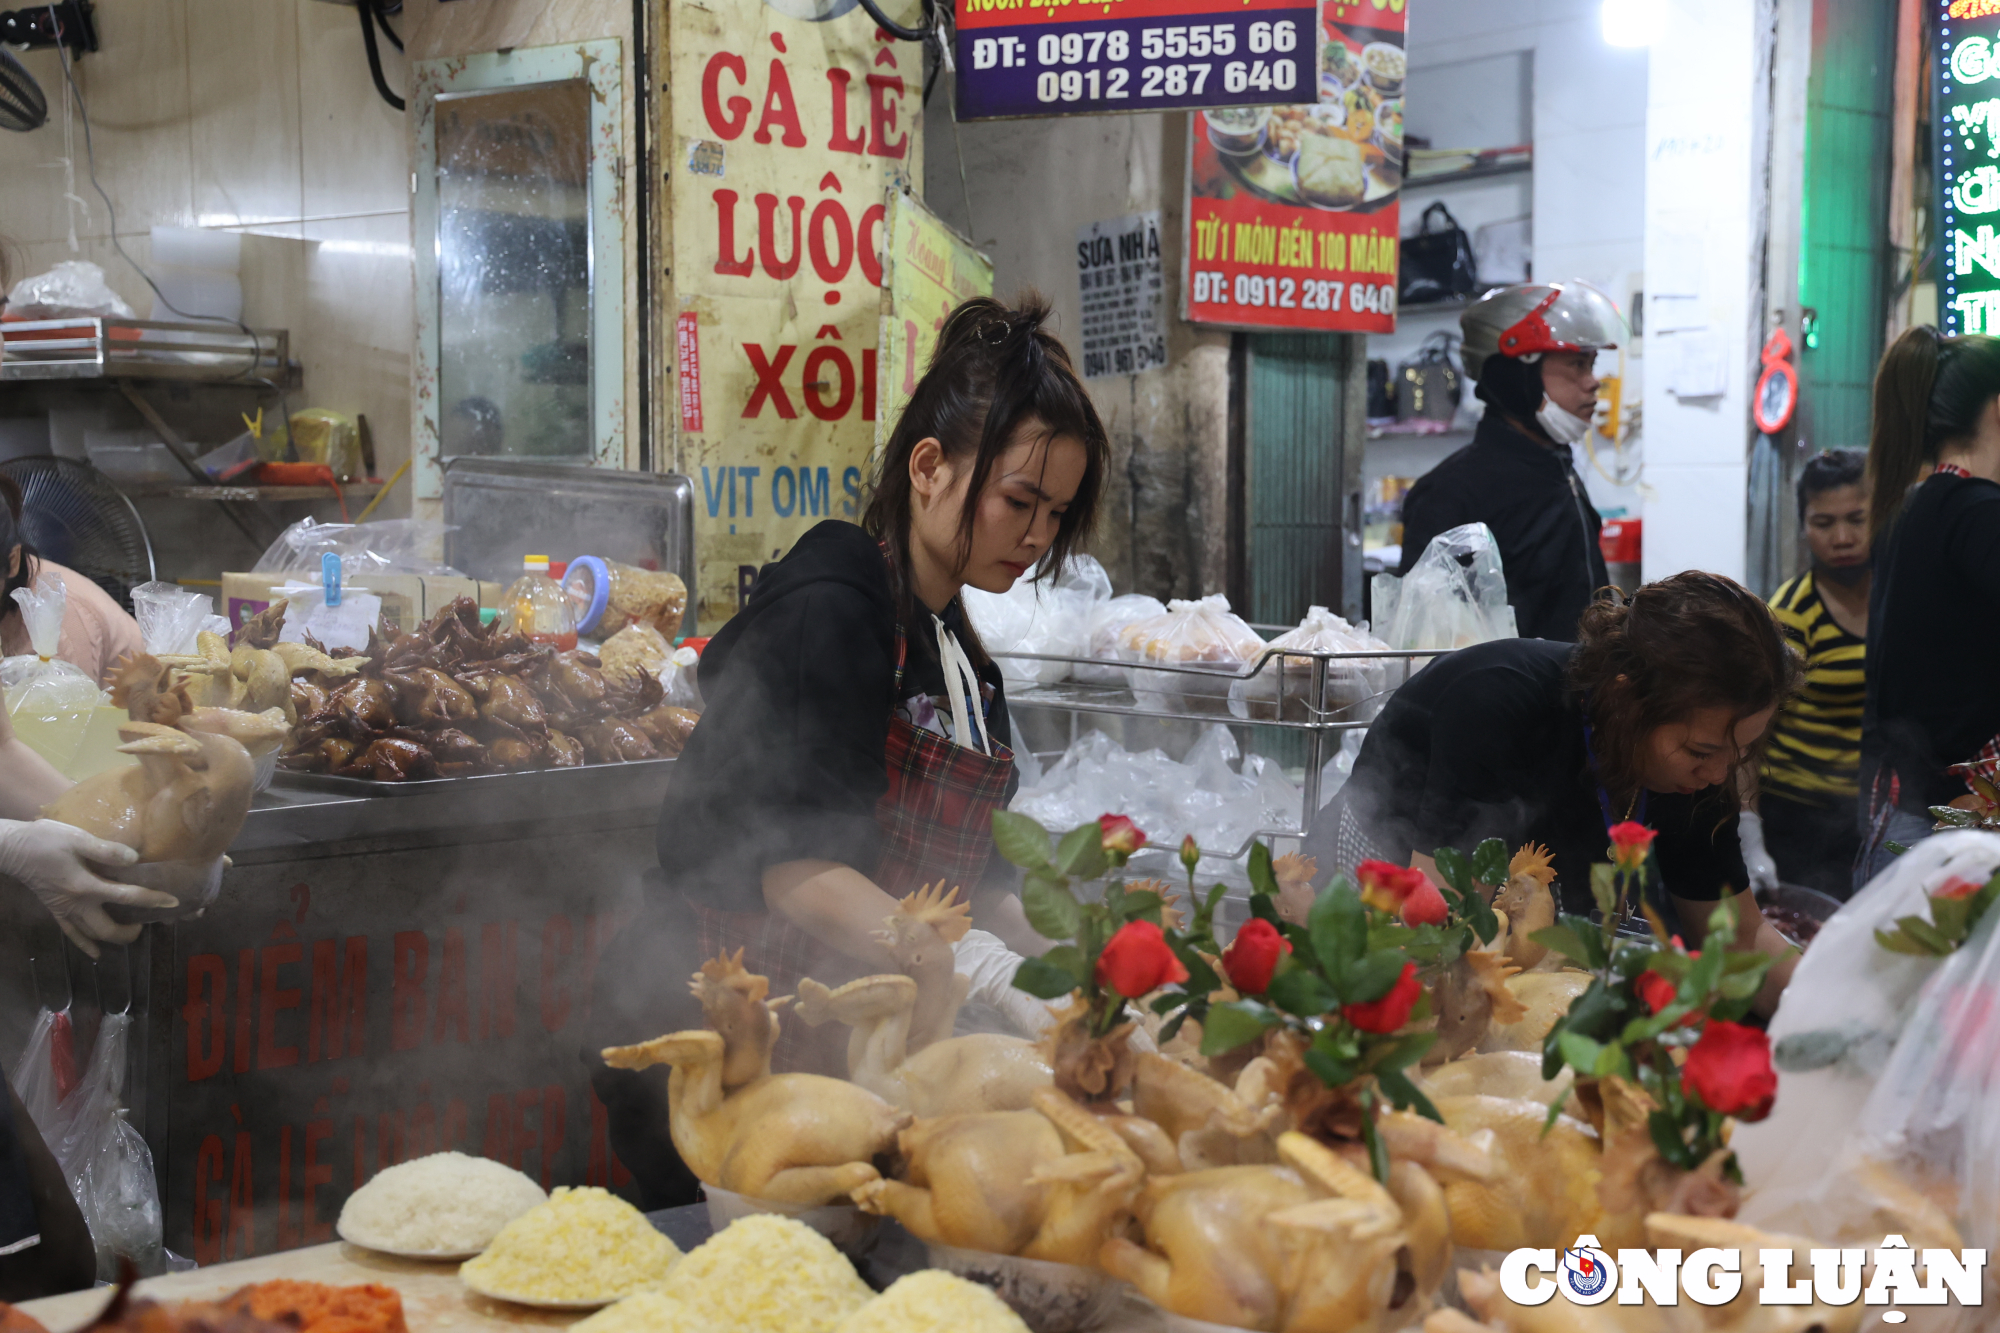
x=536 y=606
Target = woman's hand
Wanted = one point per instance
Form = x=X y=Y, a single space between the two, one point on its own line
x=61 y=865
x=842 y=907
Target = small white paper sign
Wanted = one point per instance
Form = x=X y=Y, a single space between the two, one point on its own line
x=336 y=627
x=1701 y=368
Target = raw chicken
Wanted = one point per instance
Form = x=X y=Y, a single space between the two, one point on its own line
x=791 y=1138
x=1050 y=1183
x=184 y=800
x=901 y=1048
x=1315 y=1245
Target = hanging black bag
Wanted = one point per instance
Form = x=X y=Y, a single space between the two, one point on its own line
x=1428 y=383
x=1381 y=399
x=1437 y=261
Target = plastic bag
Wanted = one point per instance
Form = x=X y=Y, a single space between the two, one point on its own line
x=679 y=680
x=387 y=546
x=637 y=648
x=1357 y=686
x=107 y=1162
x=49 y=700
x=1453 y=597
x=1888 y=1073
x=73 y=287
x=46 y=1072
x=1030 y=617
x=170 y=617
x=1206 y=635
x=1109 y=619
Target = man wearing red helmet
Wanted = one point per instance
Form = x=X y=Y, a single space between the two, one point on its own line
x=1531 y=349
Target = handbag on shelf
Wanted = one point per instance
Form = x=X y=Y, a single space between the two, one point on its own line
x=1381 y=398
x=1438 y=263
x=1428 y=383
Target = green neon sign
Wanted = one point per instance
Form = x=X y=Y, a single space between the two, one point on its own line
x=1968 y=164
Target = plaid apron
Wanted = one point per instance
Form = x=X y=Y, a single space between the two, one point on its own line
x=937 y=824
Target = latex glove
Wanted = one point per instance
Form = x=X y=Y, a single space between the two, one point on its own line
x=194 y=885
x=986 y=961
x=1750 y=834
x=60 y=864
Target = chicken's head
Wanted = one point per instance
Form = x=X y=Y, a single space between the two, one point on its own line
x=733 y=1003
x=920 y=922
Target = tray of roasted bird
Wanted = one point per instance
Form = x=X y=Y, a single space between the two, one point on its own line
x=450 y=700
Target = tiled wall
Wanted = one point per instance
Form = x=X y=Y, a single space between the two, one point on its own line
x=255 y=116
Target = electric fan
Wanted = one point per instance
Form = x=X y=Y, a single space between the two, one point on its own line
x=72 y=514
x=22 y=106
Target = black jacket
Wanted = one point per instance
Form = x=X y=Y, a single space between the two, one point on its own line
x=787 y=761
x=1530 y=496
x=1933 y=635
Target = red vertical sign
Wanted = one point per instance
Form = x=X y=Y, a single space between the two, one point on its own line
x=1293 y=211
x=687 y=340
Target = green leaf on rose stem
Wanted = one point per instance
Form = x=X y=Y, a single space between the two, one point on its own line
x=1952 y=817
x=1201 y=977
x=1081 y=852
x=1237 y=1023
x=1894 y=848
x=1300 y=992
x=1378 y=1154
x=1587 y=1057
x=1209 y=904
x=1556 y=1110
x=1329 y=1069
x=1722 y=925
x=1950 y=915
x=1405 y=1095
x=1451 y=863
x=1404 y=1052
x=1393 y=935
x=1652 y=1025
x=1262 y=878
x=1666 y=1132
x=1373 y=976
x=1141 y=906
x=1020 y=839
x=1565 y=940
x=1604 y=891
x=1704 y=973
x=1927 y=934
x=1489 y=862
x=1265 y=908
x=1338 y=927
x=1479 y=913
x=1594 y=1013
x=1803 y=1052
x=1051 y=908
x=1168 y=1002
x=1172 y=1027
x=1901 y=941
x=1670 y=963
x=1044 y=979
x=1745 y=984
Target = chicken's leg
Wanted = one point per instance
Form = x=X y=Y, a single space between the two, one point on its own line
x=906 y=1203
x=816 y=1184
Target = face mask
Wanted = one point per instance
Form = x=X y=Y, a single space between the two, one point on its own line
x=1562 y=427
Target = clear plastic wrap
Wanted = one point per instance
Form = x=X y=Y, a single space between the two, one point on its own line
x=636 y=648
x=49 y=700
x=73 y=287
x=1887 y=1117
x=1453 y=597
x=1108 y=620
x=170 y=617
x=678 y=679
x=386 y=546
x=1030 y=617
x=1353 y=689
x=1205 y=635
x=107 y=1162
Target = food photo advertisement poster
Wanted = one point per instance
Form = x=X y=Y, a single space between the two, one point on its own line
x=1968 y=156
x=1292 y=215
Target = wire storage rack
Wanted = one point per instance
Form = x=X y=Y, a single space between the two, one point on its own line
x=1317 y=697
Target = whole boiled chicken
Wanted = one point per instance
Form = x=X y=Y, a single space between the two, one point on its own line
x=900 y=1047
x=1313 y=1244
x=791 y=1138
x=1051 y=1183
x=184 y=800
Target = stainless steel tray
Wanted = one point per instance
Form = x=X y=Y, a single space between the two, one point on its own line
x=328 y=782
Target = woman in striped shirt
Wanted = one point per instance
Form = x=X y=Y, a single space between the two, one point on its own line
x=1805 y=812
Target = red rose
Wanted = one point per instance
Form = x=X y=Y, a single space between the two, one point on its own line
x=1654 y=991
x=1190 y=853
x=1425 y=906
x=1729 y=1070
x=1137 y=961
x=1386 y=887
x=1121 y=836
x=1630 y=843
x=1957 y=888
x=1253 y=957
x=1392 y=1010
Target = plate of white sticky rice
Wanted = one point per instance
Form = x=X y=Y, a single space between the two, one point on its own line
x=445 y=1207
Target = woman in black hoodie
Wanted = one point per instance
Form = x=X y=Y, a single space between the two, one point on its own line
x=855 y=742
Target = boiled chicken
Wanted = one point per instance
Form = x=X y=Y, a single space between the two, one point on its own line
x=1510 y=1074
x=1472 y=998
x=1052 y=1183
x=1544 y=998
x=791 y=1138
x=892 y=1015
x=1544 y=1192
x=1209 y=1123
x=1528 y=903
x=1312 y=1245
x=184 y=800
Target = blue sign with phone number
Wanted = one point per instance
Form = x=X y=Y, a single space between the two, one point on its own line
x=1090 y=68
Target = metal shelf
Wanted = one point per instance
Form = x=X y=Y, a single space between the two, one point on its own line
x=1476 y=172
x=96 y=348
x=359 y=490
